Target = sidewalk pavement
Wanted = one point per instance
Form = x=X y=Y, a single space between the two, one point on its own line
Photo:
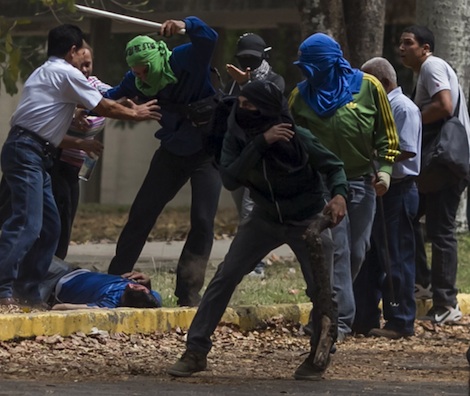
x=127 y=320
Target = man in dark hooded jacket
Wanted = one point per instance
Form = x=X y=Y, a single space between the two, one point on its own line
x=281 y=164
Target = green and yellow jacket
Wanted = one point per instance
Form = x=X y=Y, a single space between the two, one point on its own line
x=361 y=129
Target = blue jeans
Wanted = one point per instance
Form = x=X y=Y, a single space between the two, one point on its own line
x=29 y=236
x=400 y=205
x=352 y=241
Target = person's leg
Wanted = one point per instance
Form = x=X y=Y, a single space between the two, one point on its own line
x=401 y=207
x=367 y=293
x=422 y=270
x=24 y=170
x=66 y=194
x=441 y=209
x=205 y=191
x=56 y=270
x=164 y=179
x=5 y=201
x=255 y=237
x=33 y=268
x=352 y=240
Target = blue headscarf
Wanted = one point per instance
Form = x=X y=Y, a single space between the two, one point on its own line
x=331 y=81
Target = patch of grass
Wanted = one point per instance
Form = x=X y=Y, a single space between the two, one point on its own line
x=283 y=283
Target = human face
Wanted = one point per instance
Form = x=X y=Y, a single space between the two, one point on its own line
x=412 y=54
x=140 y=71
x=87 y=65
x=76 y=56
x=244 y=103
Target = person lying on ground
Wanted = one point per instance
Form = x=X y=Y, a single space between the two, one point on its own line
x=67 y=287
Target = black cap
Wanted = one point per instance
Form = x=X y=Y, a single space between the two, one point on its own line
x=252 y=44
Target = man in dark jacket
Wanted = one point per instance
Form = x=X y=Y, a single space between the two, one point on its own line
x=281 y=165
x=252 y=58
x=176 y=78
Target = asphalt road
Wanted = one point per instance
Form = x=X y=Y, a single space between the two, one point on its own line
x=136 y=386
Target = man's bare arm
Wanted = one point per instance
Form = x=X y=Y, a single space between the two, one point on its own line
x=146 y=111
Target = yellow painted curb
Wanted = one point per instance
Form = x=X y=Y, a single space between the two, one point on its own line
x=145 y=321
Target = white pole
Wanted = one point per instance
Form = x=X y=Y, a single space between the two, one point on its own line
x=122 y=18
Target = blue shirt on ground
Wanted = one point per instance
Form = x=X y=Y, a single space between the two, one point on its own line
x=96 y=290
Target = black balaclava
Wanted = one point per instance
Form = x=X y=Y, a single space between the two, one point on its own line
x=272 y=110
x=268 y=100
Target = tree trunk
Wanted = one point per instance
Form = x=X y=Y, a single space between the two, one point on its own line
x=326 y=16
x=365 y=26
x=449 y=21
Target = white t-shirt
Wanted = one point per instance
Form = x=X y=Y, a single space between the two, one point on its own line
x=49 y=98
x=437 y=75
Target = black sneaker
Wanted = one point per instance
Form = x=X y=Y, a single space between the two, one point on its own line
x=191 y=362
x=309 y=371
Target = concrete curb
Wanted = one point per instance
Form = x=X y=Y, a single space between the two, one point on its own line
x=145 y=321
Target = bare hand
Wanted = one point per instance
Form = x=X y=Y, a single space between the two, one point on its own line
x=92 y=146
x=138 y=277
x=279 y=132
x=79 y=120
x=171 y=27
x=126 y=102
x=336 y=209
x=147 y=111
x=239 y=76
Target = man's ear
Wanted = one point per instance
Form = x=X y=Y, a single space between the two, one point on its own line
x=426 y=49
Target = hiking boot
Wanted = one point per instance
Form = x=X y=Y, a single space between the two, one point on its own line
x=423 y=293
x=9 y=301
x=191 y=362
x=309 y=371
x=442 y=315
x=387 y=333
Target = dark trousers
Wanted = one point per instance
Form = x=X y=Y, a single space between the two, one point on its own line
x=440 y=209
x=66 y=190
x=400 y=206
x=166 y=176
x=255 y=238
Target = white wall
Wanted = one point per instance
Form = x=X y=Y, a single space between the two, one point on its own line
x=125 y=159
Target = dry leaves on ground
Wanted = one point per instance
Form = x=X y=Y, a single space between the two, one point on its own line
x=433 y=354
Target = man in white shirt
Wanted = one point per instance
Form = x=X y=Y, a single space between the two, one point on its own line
x=29 y=237
x=392 y=235
x=437 y=95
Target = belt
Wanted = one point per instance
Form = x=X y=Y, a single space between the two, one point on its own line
x=48 y=147
x=406 y=179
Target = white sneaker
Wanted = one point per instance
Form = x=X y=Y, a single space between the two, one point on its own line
x=423 y=293
x=441 y=315
x=258 y=272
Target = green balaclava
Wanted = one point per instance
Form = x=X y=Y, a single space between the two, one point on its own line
x=145 y=51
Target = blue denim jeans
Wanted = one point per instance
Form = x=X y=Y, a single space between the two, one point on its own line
x=400 y=205
x=352 y=240
x=29 y=236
